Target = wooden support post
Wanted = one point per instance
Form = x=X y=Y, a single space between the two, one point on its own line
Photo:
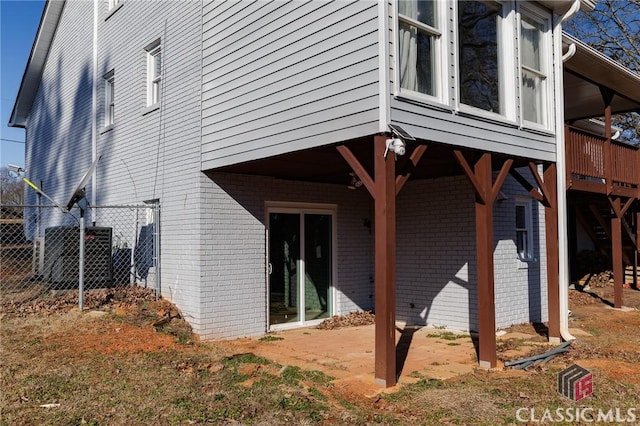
x=568 y=159
x=635 y=269
x=618 y=270
x=553 y=259
x=607 y=97
x=618 y=209
x=486 y=192
x=484 y=249
x=385 y=264
x=383 y=188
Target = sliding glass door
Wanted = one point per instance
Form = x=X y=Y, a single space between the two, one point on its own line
x=300 y=266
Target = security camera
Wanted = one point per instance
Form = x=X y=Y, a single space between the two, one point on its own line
x=396 y=145
x=14 y=168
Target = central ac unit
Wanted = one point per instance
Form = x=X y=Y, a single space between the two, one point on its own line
x=62 y=252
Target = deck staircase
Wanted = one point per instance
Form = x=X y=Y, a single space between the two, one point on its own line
x=596 y=221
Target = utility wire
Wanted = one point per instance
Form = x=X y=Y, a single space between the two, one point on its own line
x=11 y=140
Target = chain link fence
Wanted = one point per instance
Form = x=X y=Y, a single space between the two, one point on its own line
x=47 y=252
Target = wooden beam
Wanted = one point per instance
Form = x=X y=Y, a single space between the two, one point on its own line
x=385 y=264
x=553 y=256
x=622 y=191
x=541 y=184
x=415 y=157
x=502 y=175
x=617 y=207
x=588 y=186
x=526 y=185
x=358 y=169
x=477 y=186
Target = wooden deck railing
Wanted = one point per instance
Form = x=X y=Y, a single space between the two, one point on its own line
x=594 y=166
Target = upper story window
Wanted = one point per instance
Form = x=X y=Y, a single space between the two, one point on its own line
x=490 y=59
x=480 y=56
x=534 y=68
x=154 y=73
x=109 y=98
x=419 y=46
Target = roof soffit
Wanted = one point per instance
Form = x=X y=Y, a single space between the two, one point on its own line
x=36 y=63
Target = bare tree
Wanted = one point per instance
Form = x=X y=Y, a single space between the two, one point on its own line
x=11 y=188
x=613 y=28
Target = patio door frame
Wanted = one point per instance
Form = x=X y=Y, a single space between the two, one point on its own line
x=302 y=209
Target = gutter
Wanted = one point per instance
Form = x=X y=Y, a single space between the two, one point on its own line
x=563 y=249
x=94 y=107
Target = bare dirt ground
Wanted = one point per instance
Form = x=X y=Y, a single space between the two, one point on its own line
x=130 y=360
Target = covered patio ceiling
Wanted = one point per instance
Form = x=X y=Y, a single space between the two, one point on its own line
x=588 y=70
x=325 y=164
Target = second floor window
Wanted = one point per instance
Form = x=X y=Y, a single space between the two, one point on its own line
x=109 y=98
x=419 y=45
x=154 y=74
x=533 y=67
x=483 y=58
x=479 y=50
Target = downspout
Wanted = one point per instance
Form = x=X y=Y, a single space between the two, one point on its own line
x=94 y=107
x=384 y=117
x=563 y=250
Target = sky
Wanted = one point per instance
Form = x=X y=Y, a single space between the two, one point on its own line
x=19 y=20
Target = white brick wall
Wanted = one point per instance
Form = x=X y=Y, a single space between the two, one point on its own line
x=520 y=288
x=234 y=249
x=436 y=254
x=436 y=259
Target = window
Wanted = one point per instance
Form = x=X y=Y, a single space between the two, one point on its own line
x=484 y=58
x=109 y=98
x=524 y=238
x=479 y=55
x=534 y=32
x=419 y=46
x=154 y=73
